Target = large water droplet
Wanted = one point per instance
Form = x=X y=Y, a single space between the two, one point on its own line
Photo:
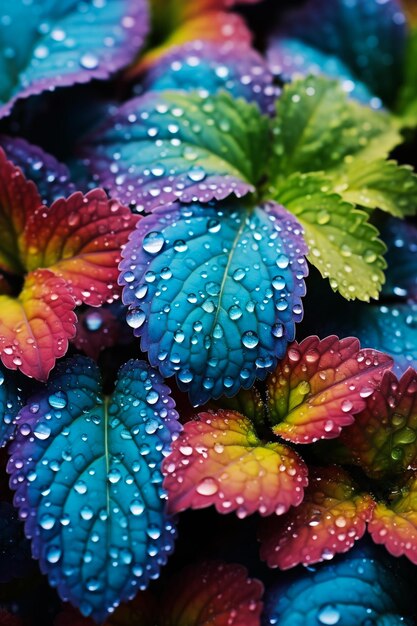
x=153 y=242
x=328 y=615
x=58 y=400
x=207 y=487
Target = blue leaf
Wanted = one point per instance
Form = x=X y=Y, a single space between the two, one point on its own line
x=51 y=177
x=356 y=590
x=58 y=43
x=209 y=67
x=10 y=403
x=86 y=470
x=292 y=56
x=215 y=291
x=367 y=36
x=401 y=239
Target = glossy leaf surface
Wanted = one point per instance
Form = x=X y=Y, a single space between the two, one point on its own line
x=78 y=41
x=84 y=467
x=163 y=146
x=219 y=460
x=214 y=292
x=330 y=519
x=320 y=385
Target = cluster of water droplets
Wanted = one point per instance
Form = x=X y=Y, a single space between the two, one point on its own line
x=224 y=287
x=92 y=465
x=153 y=151
x=207 y=68
x=46 y=46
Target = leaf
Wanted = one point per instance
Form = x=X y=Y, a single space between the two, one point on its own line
x=395 y=524
x=212 y=593
x=214 y=26
x=383 y=439
x=18 y=198
x=359 y=587
x=164 y=146
x=35 y=327
x=320 y=385
x=214 y=292
x=401 y=240
x=80 y=240
x=317 y=128
x=78 y=42
x=289 y=58
x=86 y=471
x=381 y=185
x=343 y=245
x=332 y=516
x=51 y=178
x=219 y=460
x=11 y=402
x=209 y=67
x=368 y=37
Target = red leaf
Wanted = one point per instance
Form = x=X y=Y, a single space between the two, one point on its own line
x=212 y=594
x=18 y=199
x=320 y=385
x=36 y=326
x=330 y=519
x=218 y=459
x=80 y=240
x=383 y=439
x=395 y=525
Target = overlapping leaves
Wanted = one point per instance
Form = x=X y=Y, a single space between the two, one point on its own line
x=219 y=458
x=51 y=259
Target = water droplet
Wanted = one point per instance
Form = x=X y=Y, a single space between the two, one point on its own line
x=250 y=339
x=135 y=318
x=137 y=507
x=58 y=400
x=328 y=615
x=89 y=61
x=207 y=487
x=153 y=242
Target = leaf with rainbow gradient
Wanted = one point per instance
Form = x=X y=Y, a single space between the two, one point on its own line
x=73 y=45
x=394 y=524
x=337 y=38
x=383 y=438
x=219 y=460
x=64 y=255
x=332 y=516
x=174 y=145
x=320 y=385
x=103 y=473
x=212 y=592
x=209 y=67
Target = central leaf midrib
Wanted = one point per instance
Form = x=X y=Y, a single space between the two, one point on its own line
x=106 y=451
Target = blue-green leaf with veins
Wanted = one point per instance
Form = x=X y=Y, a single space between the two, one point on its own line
x=86 y=471
x=215 y=291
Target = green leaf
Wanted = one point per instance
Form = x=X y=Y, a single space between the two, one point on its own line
x=342 y=244
x=380 y=185
x=318 y=128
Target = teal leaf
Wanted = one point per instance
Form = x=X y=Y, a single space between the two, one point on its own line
x=366 y=37
x=86 y=471
x=59 y=43
x=215 y=292
x=355 y=590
